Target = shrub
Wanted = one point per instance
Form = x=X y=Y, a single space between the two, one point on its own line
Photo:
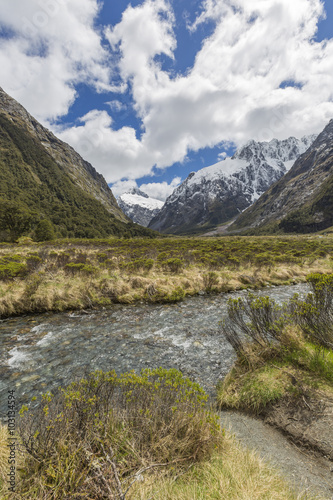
x=12 y=269
x=32 y=284
x=44 y=231
x=91 y=439
x=33 y=262
x=101 y=257
x=315 y=314
x=210 y=280
x=74 y=268
x=139 y=264
x=255 y=318
x=63 y=258
x=173 y=265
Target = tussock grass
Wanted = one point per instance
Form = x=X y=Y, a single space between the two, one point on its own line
x=76 y=274
x=233 y=473
x=236 y=474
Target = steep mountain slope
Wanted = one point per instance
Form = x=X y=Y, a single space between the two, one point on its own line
x=220 y=192
x=302 y=201
x=139 y=207
x=47 y=179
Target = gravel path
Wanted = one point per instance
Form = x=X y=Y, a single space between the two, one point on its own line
x=304 y=471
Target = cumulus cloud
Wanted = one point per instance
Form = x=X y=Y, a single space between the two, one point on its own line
x=234 y=91
x=53 y=47
x=158 y=190
x=259 y=75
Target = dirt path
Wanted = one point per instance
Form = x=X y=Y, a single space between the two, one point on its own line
x=305 y=472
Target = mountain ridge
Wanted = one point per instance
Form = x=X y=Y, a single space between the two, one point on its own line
x=138 y=206
x=301 y=201
x=216 y=194
x=44 y=179
x=93 y=183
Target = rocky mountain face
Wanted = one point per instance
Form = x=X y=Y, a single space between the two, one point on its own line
x=222 y=191
x=302 y=200
x=82 y=172
x=44 y=179
x=139 y=207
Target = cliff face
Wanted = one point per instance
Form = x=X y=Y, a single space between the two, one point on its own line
x=42 y=178
x=220 y=192
x=302 y=200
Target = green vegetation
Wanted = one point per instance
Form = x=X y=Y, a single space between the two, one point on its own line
x=39 y=198
x=74 y=274
x=94 y=438
x=132 y=437
x=281 y=351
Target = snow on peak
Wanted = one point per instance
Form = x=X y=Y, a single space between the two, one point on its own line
x=218 y=193
x=139 y=207
x=142 y=201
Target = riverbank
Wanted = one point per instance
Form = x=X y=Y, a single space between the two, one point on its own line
x=284 y=375
x=92 y=274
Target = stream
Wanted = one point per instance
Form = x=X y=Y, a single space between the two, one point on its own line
x=40 y=353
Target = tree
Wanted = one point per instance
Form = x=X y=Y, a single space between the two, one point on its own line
x=15 y=219
x=44 y=230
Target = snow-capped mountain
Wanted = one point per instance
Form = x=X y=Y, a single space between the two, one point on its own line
x=218 y=193
x=139 y=207
x=302 y=200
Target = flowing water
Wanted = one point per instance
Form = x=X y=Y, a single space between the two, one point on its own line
x=41 y=353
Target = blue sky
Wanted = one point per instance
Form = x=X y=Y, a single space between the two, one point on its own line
x=150 y=90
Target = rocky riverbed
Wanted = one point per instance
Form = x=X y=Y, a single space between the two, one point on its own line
x=40 y=353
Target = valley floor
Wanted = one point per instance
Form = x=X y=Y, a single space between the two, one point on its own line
x=80 y=274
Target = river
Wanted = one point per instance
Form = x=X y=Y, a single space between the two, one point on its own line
x=40 y=353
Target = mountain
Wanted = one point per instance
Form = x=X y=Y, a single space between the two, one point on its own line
x=220 y=192
x=139 y=207
x=43 y=178
x=302 y=201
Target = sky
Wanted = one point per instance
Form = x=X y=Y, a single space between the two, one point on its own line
x=151 y=90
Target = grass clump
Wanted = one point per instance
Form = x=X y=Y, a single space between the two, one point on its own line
x=95 y=438
x=236 y=474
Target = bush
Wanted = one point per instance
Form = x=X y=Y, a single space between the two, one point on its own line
x=74 y=268
x=315 y=314
x=44 y=231
x=94 y=437
x=33 y=262
x=139 y=265
x=256 y=318
x=210 y=281
x=173 y=265
x=11 y=268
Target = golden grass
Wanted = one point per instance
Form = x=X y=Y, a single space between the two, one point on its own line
x=49 y=287
x=237 y=474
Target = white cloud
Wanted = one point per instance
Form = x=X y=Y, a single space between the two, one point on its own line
x=222 y=156
x=54 y=47
x=121 y=187
x=232 y=92
x=157 y=190
x=160 y=190
x=116 y=105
